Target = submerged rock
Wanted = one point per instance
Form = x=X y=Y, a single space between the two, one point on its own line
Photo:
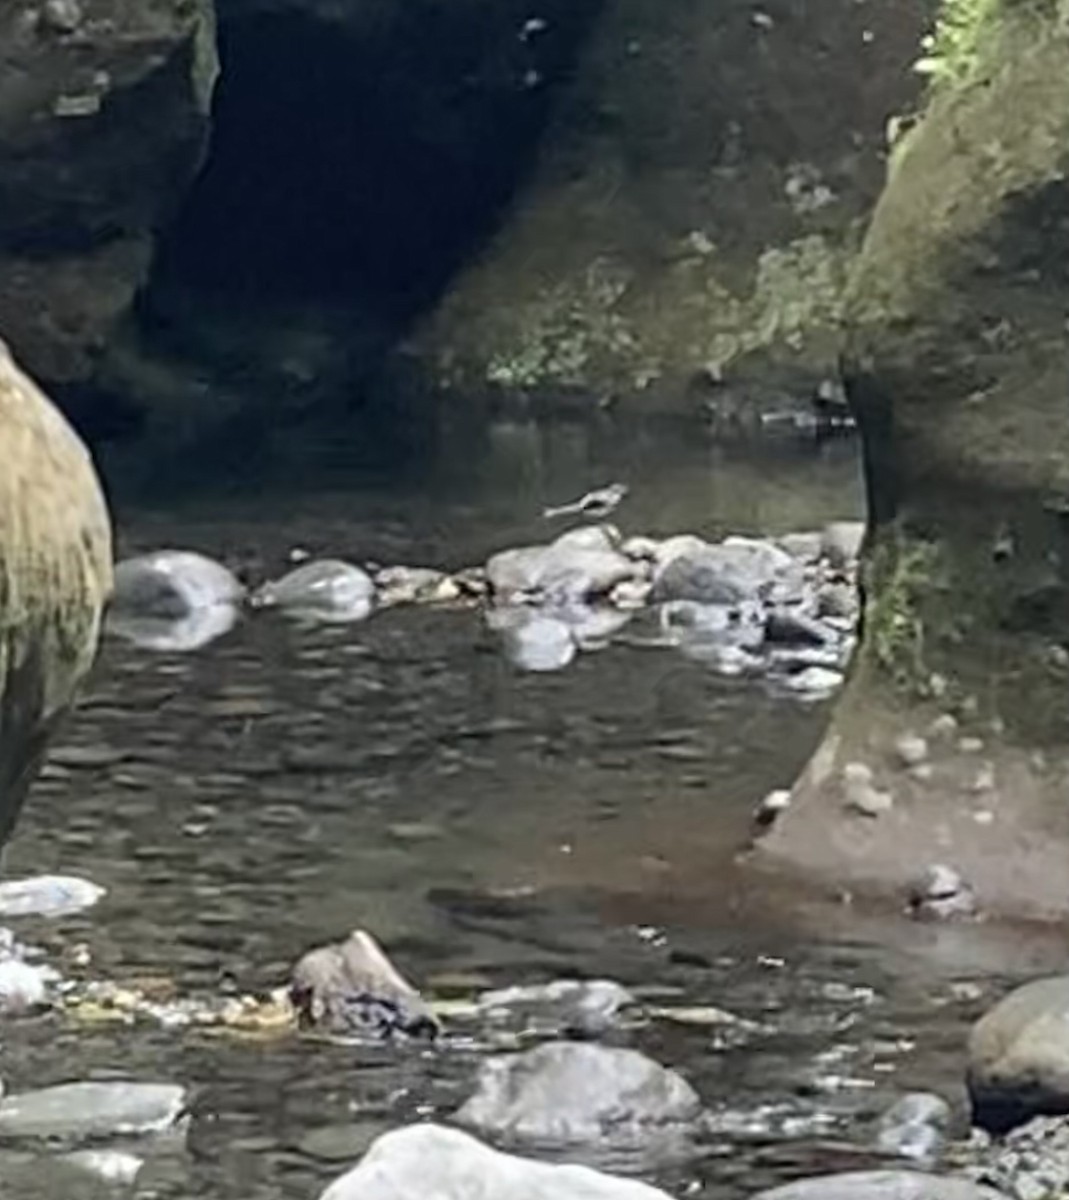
x=83 y=1111
x=539 y=643
x=47 y=896
x=327 y=589
x=577 y=1092
x=1019 y=1056
x=587 y=1007
x=914 y=1126
x=425 y=1161
x=352 y=989
x=172 y=584
x=881 y=1185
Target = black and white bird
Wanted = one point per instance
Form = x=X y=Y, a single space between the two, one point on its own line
x=597 y=504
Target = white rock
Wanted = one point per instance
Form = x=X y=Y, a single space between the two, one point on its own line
x=428 y=1162
x=911 y=749
x=82 y=1111
x=47 y=896
x=22 y=986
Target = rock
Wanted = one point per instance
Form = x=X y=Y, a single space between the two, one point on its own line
x=860 y=794
x=47 y=896
x=511 y=572
x=807 y=547
x=910 y=749
x=570 y=574
x=587 y=1007
x=414 y=585
x=796 y=629
x=116 y=1167
x=539 y=643
x=814 y=683
x=84 y=1111
x=941 y=893
x=641 y=549
x=841 y=543
x=97 y=145
x=352 y=988
x=1019 y=1056
x=695 y=623
x=325 y=589
x=399 y=1165
x=590 y=537
x=55 y=569
x=23 y=987
x=592 y=626
x=172 y=584
x=175 y=635
x=576 y=1092
x=771 y=806
x=1029 y=1163
x=881 y=1185
x=724 y=574
x=914 y=1126
x=837 y=600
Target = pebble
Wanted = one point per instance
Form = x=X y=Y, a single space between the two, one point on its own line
x=944 y=726
x=911 y=749
x=970 y=745
x=772 y=806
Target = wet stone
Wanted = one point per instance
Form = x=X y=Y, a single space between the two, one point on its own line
x=585 y=1008
x=47 y=896
x=400 y=1164
x=881 y=1185
x=352 y=989
x=910 y=749
x=940 y=893
x=914 y=1126
x=577 y=1092
x=84 y=1111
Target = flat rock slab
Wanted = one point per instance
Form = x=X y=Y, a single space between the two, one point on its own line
x=83 y=1111
x=427 y=1162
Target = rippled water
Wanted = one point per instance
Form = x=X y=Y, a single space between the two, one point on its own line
x=284 y=785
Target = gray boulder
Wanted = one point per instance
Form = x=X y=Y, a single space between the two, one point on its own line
x=881 y=1185
x=1019 y=1056
x=568 y=1092
x=352 y=989
x=172 y=584
x=733 y=571
x=566 y=570
x=914 y=1126
x=427 y=1162
x=325 y=588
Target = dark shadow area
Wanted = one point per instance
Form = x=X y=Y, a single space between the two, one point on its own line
x=362 y=164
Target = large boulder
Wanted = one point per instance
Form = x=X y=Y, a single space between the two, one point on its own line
x=427 y=1162
x=55 y=575
x=956 y=365
x=1019 y=1056
x=698 y=198
x=103 y=119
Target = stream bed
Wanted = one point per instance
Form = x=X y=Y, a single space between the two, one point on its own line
x=285 y=784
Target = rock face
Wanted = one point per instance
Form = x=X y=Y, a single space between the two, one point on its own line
x=55 y=574
x=696 y=200
x=576 y=1092
x=103 y=117
x=400 y=1165
x=956 y=367
x=1019 y=1056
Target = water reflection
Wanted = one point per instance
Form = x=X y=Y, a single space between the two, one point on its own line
x=193 y=631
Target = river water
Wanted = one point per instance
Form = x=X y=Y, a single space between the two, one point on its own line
x=283 y=785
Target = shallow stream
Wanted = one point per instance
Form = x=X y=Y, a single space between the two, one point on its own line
x=283 y=785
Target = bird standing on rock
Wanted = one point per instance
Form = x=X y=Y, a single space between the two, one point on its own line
x=597 y=504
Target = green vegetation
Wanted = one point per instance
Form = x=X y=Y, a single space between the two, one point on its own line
x=900 y=575
x=954 y=50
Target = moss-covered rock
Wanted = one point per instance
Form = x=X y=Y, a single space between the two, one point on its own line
x=698 y=199
x=55 y=575
x=957 y=365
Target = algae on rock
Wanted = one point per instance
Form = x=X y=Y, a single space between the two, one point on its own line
x=956 y=363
